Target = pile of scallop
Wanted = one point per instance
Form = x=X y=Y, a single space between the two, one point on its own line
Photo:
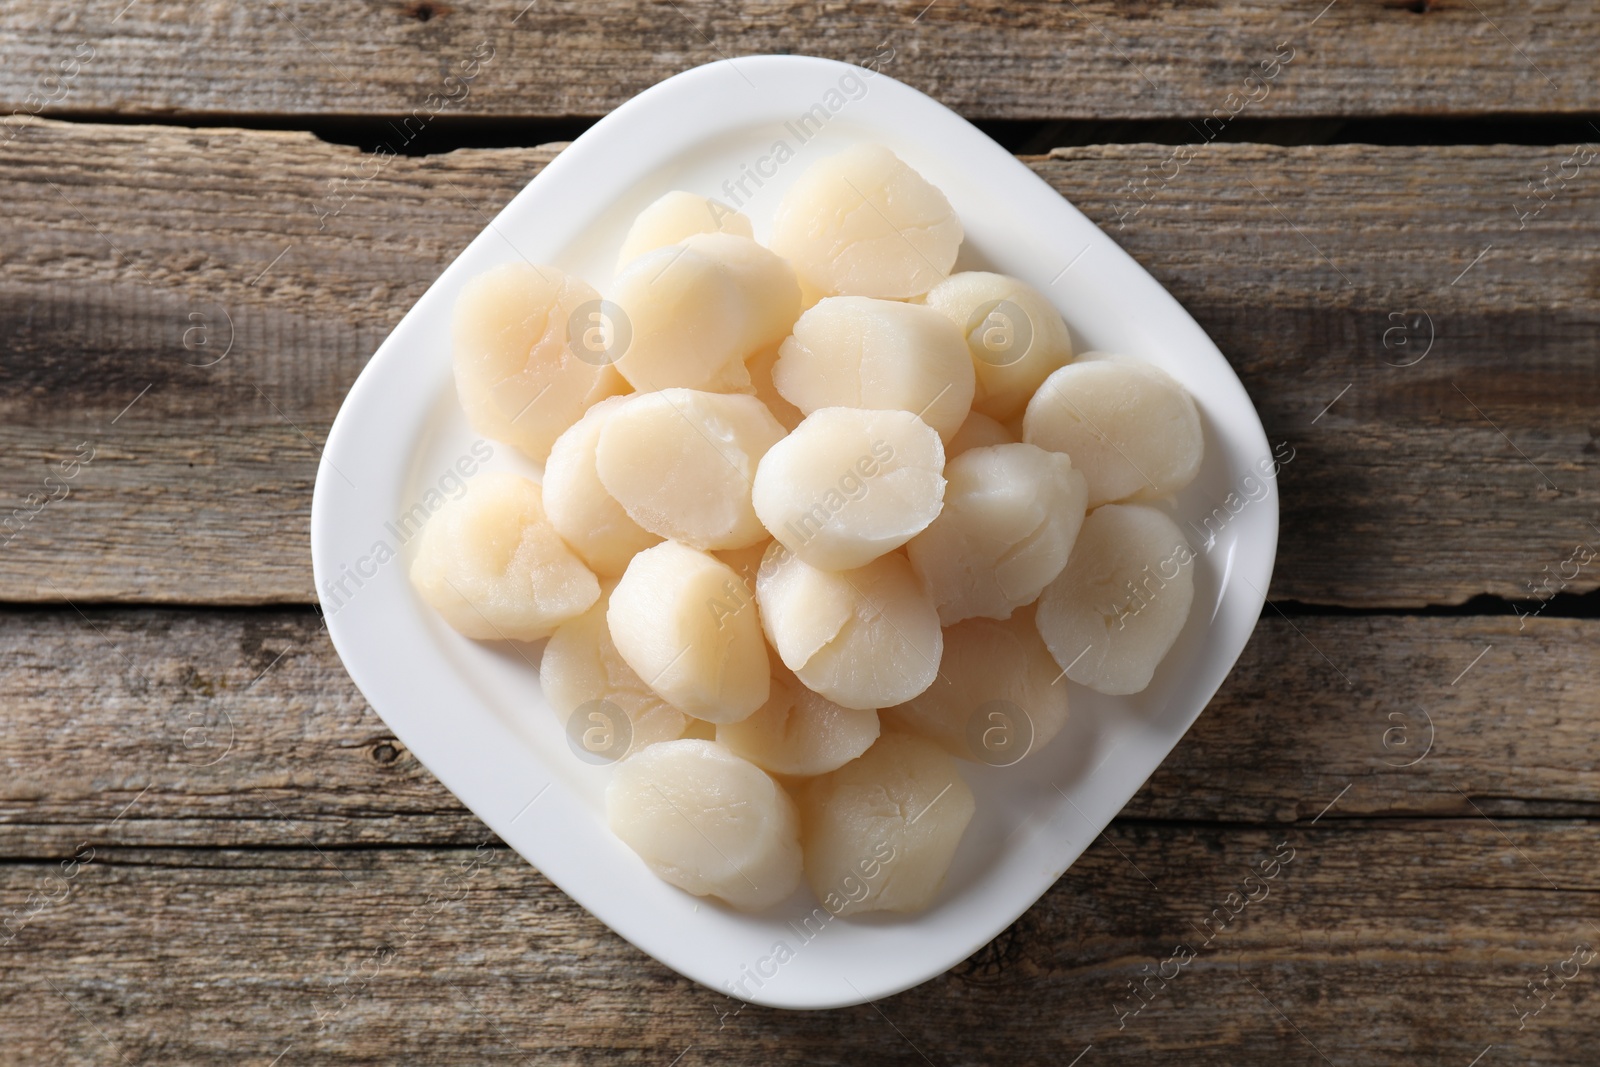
x=818 y=518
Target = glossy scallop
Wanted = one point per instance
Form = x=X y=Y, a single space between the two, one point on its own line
x=1129 y=427
x=681 y=463
x=708 y=822
x=1011 y=514
x=584 y=676
x=1120 y=603
x=522 y=371
x=979 y=430
x=999 y=696
x=686 y=624
x=856 y=352
x=1015 y=335
x=863 y=638
x=880 y=832
x=863 y=223
x=849 y=485
x=492 y=565
x=695 y=311
x=586 y=516
x=800 y=733
x=675 y=217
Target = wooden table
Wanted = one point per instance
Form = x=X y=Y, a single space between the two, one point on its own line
x=214 y=851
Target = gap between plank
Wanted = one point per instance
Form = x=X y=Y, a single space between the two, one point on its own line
x=447 y=133
x=1482 y=606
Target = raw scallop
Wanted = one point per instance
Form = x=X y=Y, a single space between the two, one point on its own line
x=849 y=485
x=1128 y=426
x=676 y=216
x=999 y=695
x=880 y=831
x=580 y=509
x=681 y=463
x=760 y=367
x=582 y=673
x=797 y=732
x=864 y=638
x=863 y=223
x=708 y=822
x=523 y=373
x=979 y=430
x=855 y=352
x=694 y=311
x=685 y=623
x=1011 y=513
x=1015 y=335
x=1122 y=600
x=492 y=565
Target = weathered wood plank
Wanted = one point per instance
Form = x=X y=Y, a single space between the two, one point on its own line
x=1471 y=471
x=229 y=727
x=1402 y=944
x=991 y=59
x=153 y=727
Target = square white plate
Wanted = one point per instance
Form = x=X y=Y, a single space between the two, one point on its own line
x=473 y=713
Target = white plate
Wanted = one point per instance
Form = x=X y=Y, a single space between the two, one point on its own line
x=473 y=713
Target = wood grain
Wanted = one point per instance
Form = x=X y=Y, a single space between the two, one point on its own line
x=987 y=59
x=1471 y=471
x=266 y=875
x=241 y=729
x=1404 y=943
